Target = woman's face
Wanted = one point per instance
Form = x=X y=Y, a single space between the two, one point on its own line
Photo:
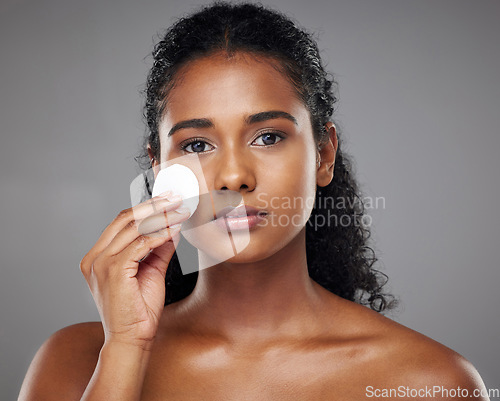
x=269 y=159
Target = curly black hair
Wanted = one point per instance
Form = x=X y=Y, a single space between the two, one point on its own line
x=338 y=257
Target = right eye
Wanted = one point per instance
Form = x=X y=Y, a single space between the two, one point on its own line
x=197 y=145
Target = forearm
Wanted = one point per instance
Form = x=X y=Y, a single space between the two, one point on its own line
x=119 y=374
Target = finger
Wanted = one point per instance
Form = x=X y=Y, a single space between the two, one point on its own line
x=156 y=204
x=128 y=216
x=151 y=227
x=161 y=220
x=139 y=248
x=159 y=258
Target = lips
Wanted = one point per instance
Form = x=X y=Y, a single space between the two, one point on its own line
x=241 y=219
x=240 y=211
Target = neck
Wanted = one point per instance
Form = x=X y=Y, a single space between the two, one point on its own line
x=267 y=298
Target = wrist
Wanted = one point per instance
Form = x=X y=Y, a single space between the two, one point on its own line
x=120 y=372
x=129 y=345
x=133 y=349
x=126 y=360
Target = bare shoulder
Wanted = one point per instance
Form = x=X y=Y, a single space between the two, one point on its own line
x=407 y=360
x=64 y=364
x=430 y=364
x=427 y=364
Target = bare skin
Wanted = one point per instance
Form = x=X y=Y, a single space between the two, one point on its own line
x=354 y=349
x=256 y=327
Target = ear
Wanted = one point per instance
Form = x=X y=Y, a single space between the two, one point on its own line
x=154 y=163
x=326 y=156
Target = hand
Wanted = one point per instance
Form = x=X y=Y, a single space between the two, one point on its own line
x=126 y=268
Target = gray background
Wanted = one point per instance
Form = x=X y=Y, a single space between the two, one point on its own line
x=419 y=109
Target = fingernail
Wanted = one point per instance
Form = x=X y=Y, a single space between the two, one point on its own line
x=183 y=210
x=169 y=195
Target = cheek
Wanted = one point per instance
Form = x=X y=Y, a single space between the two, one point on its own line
x=167 y=149
x=304 y=196
x=302 y=171
x=293 y=190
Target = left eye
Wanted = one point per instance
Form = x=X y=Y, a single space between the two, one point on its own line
x=269 y=138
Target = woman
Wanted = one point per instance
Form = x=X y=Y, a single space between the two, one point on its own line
x=245 y=89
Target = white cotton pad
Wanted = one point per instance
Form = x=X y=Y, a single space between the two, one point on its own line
x=181 y=181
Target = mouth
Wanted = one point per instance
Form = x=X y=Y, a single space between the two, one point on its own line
x=240 y=211
x=243 y=217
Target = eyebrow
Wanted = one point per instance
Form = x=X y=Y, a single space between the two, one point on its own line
x=194 y=123
x=269 y=115
x=252 y=119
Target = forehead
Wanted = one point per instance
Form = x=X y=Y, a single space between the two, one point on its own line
x=219 y=86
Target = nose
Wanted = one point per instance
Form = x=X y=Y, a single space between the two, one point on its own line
x=235 y=171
